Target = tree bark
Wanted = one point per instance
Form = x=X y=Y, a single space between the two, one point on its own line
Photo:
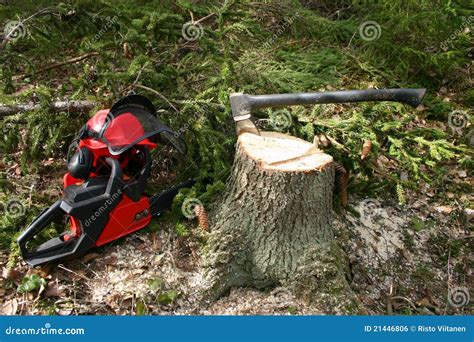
x=276 y=211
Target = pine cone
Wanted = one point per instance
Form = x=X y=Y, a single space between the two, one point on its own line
x=366 y=147
x=341 y=181
x=202 y=218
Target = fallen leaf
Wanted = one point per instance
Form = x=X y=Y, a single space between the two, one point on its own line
x=10 y=273
x=167 y=297
x=156 y=284
x=158 y=258
x=443 y=209
x=112 y=300
x=141 y=307
x=10 y=307
x=156 y=242
x=54 y=290
x=128 y=301
x=64 y=311
x=89 y=257
x=424 y=302
x=110 y=260
x=406 y=254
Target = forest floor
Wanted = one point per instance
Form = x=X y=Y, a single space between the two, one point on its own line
x=403 y=260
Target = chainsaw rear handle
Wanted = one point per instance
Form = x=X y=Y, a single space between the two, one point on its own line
x=56 y=247
x=243 y=104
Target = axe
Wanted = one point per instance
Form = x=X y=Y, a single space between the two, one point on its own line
x=242 y=104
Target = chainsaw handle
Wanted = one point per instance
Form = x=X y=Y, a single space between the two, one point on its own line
x=41 y=221
x=243 y=104
x=115 y=182
x=55 y=211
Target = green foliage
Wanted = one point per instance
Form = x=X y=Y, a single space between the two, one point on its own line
x=168 y=297
x=181 y=229
x=256 y=47
x=31 y=283
x=156 y=284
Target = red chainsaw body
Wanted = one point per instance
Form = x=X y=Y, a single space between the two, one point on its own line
x=126 y=218
x=104 y=195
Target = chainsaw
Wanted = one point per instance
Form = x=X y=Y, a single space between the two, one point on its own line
x=104 y=188
x=104 y=197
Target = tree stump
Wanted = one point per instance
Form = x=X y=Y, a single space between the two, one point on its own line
x=276 y=209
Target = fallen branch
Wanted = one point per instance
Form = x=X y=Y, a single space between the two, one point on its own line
x=59 y=106
x=57 y=65
x=159 y=94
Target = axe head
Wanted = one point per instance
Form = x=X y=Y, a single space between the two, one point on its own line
x=241 y=112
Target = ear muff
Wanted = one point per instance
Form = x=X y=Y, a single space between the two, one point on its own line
x=80 y=164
